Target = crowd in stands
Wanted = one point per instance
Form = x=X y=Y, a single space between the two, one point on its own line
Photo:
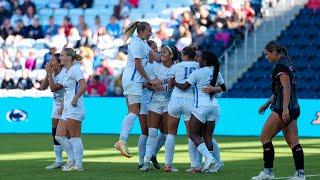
x=27 y=43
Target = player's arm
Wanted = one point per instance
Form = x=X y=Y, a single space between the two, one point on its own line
x=181 y=86
x=217 y=89
x=81 y=91
x=53 y=86
x=266 y=105
x=141 y=70
x=154 y=56
x=45 y=83
x=285 y=83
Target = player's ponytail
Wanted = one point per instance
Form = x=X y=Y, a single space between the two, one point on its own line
x=72 y=53
x=135 y=25
x=212 y=60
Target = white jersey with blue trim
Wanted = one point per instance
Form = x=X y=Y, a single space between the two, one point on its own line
x=181 y=73
x=137 y=49
x=199 y=79
x=149 y=70
x=71 y=86
x=220 y=81
x=58 y=95
x=161 y=72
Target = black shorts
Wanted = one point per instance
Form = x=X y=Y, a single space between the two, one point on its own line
x=293 y=113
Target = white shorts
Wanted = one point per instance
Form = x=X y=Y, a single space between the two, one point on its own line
x=145 y=101
x=75 y=114
x=133 y=99
x=179 y=105
x=131 y=87
x=158 y=106
x=55 y=114
x=206 y=113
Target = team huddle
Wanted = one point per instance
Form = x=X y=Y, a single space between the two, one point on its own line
x=160 y=88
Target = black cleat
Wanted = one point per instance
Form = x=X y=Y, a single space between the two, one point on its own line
x=155 y=162
x=140 y=166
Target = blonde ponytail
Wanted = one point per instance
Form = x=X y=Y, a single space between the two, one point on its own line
x=78 y=57
x=129 y=30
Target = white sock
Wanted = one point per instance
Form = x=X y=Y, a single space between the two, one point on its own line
x=126 y=126
x=202 y=148
x=169 y=149
x=66 y=146
x=58 y=152
x=198 y=159
x=151 y=142
x=216 y=150
x=192 y=149
x=78 y=150
x=142 y=147
x=161 y=139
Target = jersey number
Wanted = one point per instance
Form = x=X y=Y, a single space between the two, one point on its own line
x=188 y=71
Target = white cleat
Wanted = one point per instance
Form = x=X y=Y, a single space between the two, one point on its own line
x=145 y=167
x=264 y=176
x=216 y=168
x=207 y=164
x=67 y=166
x=299 y=175
x=55 y=165
x=73 y=168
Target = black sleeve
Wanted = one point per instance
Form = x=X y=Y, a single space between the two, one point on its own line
x=281 y=69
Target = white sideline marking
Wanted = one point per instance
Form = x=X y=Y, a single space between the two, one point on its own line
x=311 y=175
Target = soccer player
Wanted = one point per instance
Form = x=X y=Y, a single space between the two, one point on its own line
x=73 y=112
x=203 y=113
x=158 y=107
x=285 y=112
x=133 y=77
x=145 y=100
x=181 y=102
x=54 y=80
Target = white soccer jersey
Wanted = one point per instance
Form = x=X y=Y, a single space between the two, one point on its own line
x=181 y=73
x=146 y=93
x=71 y=85
x=201 y=78
x=161 y=72
x=137 y=48
x=58 y=95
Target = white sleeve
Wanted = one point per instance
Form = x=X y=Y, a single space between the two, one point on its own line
x=136 y=50
x=77 y=74
x=152 y=74
x=220 y=79
x=173 y=71
x=193 y=78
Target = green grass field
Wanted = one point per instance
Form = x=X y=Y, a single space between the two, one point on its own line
x=25 y=156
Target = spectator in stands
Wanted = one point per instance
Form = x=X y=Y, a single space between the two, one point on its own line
x=73 y=38
x=59 y=41
x=18 y=15
x=51 y=29
x=14 y=4
x=85 y=39
x=35 y=29
x=205 y=18
x=248 y=12
x=67 y=25
x=18 y=61
x=4 y=13
x=229 y=8
x=87 y=61
x=118 y=90
x=133 y=3
x=85 y=3
x=96 y=88
x=81 y=25
x=6 y=29
x=187 y=19
x=7 y=82
x=97 y=24
x=31 y=61
x=25 y=81
x=113 y=28
x=162 y=33
x=313 y=4
x=195 y=7
x=29 y=16
x=121 y=10
x=102 y=40
x=38 y=81
x=25 y=6
x=185 y=38
x=68 y=4
x=48 y=55
x=5 y=60
x=214 y=7
x=174 y=21
x=21 y=29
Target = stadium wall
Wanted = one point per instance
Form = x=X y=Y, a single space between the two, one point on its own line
x=239 y=117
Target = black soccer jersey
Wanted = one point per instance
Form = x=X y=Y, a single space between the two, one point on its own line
x=283 y=66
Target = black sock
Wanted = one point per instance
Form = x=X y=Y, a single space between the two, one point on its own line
x=298 y=157
x=268 y=155
x=55 y=142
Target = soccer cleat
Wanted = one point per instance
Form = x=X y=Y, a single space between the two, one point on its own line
x=68 y=165
x=55 y=165
x=73 y=168
x=123 y=148
x=299 y=175
x=207 y=164
x=264 y=175
x=170 y=169
x=140 y=166
x=217 y=167
x=145 y=167
x=155 y=162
